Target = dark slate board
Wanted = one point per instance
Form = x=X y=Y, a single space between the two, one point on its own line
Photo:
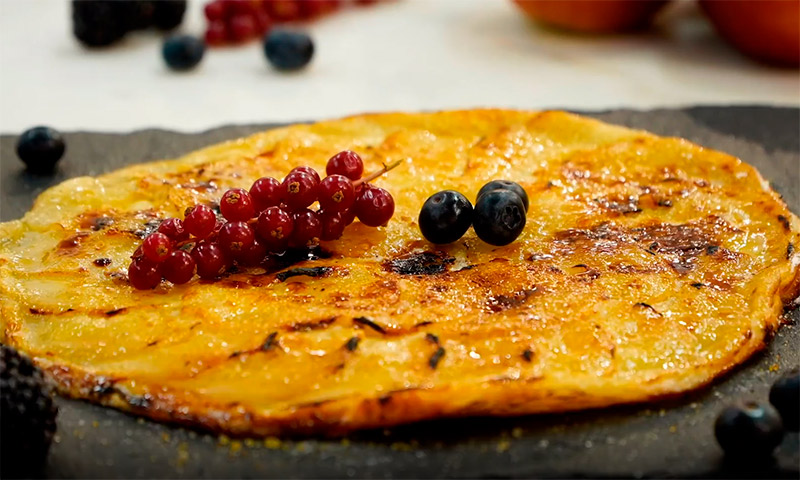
x=667 y=439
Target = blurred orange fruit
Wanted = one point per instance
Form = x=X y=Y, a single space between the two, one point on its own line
x=593 y=16
x=768 y=30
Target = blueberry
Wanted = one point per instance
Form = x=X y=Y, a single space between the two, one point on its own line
x=40 y=148
x=785 y=397
x=750 y=428
x=499 y=217
x=183 y=52
x=445 y=217
x=288 y=50
x=504 y=185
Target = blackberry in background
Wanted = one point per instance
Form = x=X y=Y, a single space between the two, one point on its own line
x=28 y=416
x=168 y=14
x=140 y=14
x=97 y=23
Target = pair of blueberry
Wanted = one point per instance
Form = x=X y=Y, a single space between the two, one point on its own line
x=752 y=430
x=498 y=217
x=285 y=50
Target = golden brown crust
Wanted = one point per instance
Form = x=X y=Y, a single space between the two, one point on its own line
x=649 y=267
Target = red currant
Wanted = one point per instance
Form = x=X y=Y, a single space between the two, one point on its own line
x=242 y=7
x=210 y=260
x=299 y=190
x=265 y=192
x=143 y=274
x=263 y=22
x=236 y=205
x=348 y=216
x=253 y=255
x=234 y=237
x=156 y=247
x=307 y=229
x=345 y=163
x=215 y=10
x=308 y=170
x=242 y=28
x=173 y=228
x=217 y=33
x=332 y=225
x=274 y=227
x=336 y=193
x=178 y=268
x=374 y=206
x=200 y=221
x=283 y=10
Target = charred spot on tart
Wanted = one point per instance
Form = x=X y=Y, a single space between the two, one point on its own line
x=367 y=322
x=679 y=244
x=270 y=342
x=499 y=303
x=352 y=344
x=420 y=263
x=785 y=222
x=201 y=186
x=647 y=306
x=116 y=311
x=314 y=272
x=320 y=324
x=102 y=262
x=698 y=285
x=527 y=354
x=432 y=338
x=789 y=250
x=621 y=205
x=95 y=221
x=437 y=356
x=148 y=227
x=71 y=244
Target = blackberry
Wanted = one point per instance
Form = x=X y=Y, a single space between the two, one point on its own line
x=97 y=23
x=28 y=416
x=168 y=14
x=140 y=14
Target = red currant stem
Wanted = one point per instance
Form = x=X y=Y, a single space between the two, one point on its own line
x=374 y=175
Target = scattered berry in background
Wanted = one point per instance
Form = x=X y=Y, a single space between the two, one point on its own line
x=288 y=50
x=183 y=52
x=40 y=148
x=785 y=397
x=98 y=23
x=748 y=431
x=28 y=416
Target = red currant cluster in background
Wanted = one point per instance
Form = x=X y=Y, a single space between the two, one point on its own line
x=268 y=219
x=238 y=21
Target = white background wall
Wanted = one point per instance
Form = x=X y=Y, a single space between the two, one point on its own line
x=405 y=55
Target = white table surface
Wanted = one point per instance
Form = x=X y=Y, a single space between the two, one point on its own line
x=405 y=55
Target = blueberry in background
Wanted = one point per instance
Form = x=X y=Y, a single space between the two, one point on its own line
x=288 y=50
x=183 y=52
x=749 y=430
x=40 y=148
x=504 y=185
x=499 y=217
x=785 y=397
x=445 y=217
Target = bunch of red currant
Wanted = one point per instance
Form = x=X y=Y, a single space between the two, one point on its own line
x=271 y=217
x=237 y=21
